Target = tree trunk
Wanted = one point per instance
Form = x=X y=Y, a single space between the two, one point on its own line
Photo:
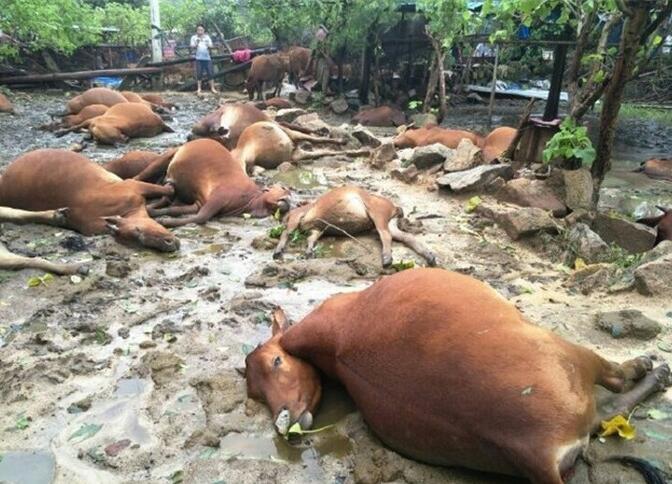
x=443 y=105
x=431 y=86
x=634 y=26
x=366 y=68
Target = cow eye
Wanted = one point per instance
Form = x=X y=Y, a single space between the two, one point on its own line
x=277 y=361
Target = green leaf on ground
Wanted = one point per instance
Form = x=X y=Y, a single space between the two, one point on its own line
x=86 y=431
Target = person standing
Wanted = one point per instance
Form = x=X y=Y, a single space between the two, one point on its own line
x=320 y=60
x=202 y=43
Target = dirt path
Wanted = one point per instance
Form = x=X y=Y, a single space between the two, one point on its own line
x=128 y=375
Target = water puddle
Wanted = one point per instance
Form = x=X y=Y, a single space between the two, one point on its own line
x=299 y=178
x=128 y=387
x=27 y=467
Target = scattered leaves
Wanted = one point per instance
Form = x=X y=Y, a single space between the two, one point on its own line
x=655 y=414
x=86 y=431
x=579 y=264
x=276 y=232
x=296 y=430
x=403 y=264
x=472 y=204
x=22 y=422
x=618 y=425
x=40 y=280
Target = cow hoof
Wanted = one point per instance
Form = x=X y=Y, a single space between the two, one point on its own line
x=662 y=374
x=387 y=261
x=431 y=261
x=277 y=255
x=83 y=270
x=61 y=215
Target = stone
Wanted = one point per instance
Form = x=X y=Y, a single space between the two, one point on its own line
x=646 y=210
x=285 y=166
x=164 y=366
x=578 y=188
x=475 y=178
x=302 y=97
x=420 y=120
x=591 y=278
x=366 y=137
x=579 y=216
x=466 y=156
x=313 y=123
x=117 y=268
x=516 y=221
x=289 y=115
x=147 y=344
x=532 y=193
x=430 y=155
x=655 y=278
x=339 y=106
x=631 y=236
x=382 y=155
x=407 y=175
x=586 y=244
x=628 y=323
x=114 y=449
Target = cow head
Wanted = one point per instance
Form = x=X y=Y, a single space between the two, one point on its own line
x=143 y=231
x=290 y=386
x=275 y=198
x=405 y=138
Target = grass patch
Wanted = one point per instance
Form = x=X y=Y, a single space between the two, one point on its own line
x=632 y=111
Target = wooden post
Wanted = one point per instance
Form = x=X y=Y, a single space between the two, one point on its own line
x=553 y=100
x=366 y=69
x=494 y=87
x=155 y=19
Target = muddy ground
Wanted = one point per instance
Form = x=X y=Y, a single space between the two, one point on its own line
x=128 y=375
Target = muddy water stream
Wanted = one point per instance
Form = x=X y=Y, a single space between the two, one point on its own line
x=129 y=375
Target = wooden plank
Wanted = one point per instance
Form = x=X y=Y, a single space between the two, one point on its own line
x=80 y=75
x=236 y=68
x=214 y=58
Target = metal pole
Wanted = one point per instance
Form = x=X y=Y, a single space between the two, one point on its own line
x=494 y=87
x=155 y=18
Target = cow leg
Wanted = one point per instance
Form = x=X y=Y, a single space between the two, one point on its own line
x=11 y=261
x=381 y=224
x=156 y=168
x=175 y=210
x=293 y=223
x=150 y=190
x=411 y=242
x=49 y=217
x=206 y=212
x=314 y=236
x=298 y=136
x=160 y=203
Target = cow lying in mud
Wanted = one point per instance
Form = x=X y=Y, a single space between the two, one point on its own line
x=5 y=105
x=13 y=262
x=382 y=116
x=71 y=120
x=98 y=201
x=209 y=182
x=659 y=169
x=96 y=95
x=120 y=123
x=349 y=211
x=227 y=123
x=446 y=371
x=134 y=162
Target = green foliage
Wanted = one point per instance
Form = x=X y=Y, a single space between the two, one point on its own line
x=622 y=258
x=570 y=142
x=449 y=19
x=181 y=17
x=133 y=23
x=276 y=232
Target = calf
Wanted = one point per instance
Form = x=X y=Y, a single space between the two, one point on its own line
x=268 y=144
x=98 y=201
x=446 y=371
x=382 y=116
x=227 y=123
x=349 y=211
x=122 y=122
x=5 y=105
x=96 y=95
x=299 y=58
x=428 y=135
x=208 y=182
x=266 y=68
x=660 y=169
x=13 y=262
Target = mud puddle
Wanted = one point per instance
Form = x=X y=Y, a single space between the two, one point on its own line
x=129 y=374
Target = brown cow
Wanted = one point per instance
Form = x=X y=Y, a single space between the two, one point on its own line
x=274 y=102
x=266 y=68
x=122 y=122
x=381 y=116
x=446 y=371
x=5 y=105
x=660 y=169
x=268 y=144
x=428 y=135
x=134 y=162
x=351 y=210
x=299 y=58
x=96 y=95
x=158 y=100
x=227 y=123
x=497 y=142
x=663 y=224
x=90 y=111
x=208 y=182
x=14 y=262
x=98 y=201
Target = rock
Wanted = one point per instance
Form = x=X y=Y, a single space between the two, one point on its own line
x=289 y=115
x=365 y=137
x=655 y=278
x=124 y=332
x=163 y=365
x=475 y=178
x=646 y=210
x=659 y=251
x=525 y=222
x=382 y=155
x=80 y=406
x=313 y=123
x=339 y=106
x=430 y=155
x=631 y=236
x=203 y=437
x=579 y=216
x=532 y=193
x=147 y=344
x=466 y=156
x=405 y=155
x=302 y=97
x=114 y=449
x=628 y=323
x=407 y=175
x=586 y=244
x=421 y=120
x=285 y=166
x=591 y=278
x=578 y=188
x=117 y=268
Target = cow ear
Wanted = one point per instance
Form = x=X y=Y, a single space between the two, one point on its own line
x=112 y=223
x=280 y=322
